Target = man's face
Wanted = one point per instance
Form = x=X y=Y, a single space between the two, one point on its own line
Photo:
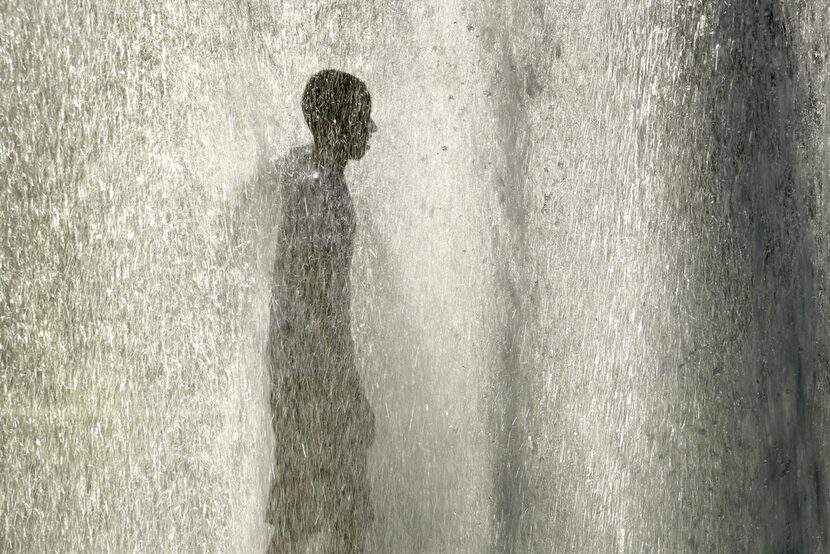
x=360 y=128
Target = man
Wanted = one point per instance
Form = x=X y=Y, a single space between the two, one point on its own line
x=322 y=421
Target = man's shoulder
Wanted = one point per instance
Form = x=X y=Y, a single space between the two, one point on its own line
x=291 y=163
x=294 y=171
x=302 y=178
x=316 y=181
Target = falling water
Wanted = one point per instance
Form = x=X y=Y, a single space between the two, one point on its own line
x=590 y=291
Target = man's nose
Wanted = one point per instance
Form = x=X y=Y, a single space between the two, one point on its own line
x=372 y=127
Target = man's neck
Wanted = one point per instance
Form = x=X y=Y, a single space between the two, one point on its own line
x=329 y=160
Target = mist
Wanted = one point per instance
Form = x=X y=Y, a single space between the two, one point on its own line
x=589 y=288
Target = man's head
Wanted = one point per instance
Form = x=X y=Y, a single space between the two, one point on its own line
x=337 y=108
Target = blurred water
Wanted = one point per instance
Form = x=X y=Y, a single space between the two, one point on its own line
x=590 y=297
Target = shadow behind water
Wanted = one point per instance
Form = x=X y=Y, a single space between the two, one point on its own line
x=753 y=110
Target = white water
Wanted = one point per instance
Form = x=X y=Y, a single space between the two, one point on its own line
x=567 y=320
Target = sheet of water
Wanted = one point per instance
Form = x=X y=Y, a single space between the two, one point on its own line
x=589 y=285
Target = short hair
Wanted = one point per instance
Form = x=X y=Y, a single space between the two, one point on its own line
x=330 y=97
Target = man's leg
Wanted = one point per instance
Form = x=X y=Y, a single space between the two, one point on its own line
x=354 y=514
x=299 y=490
x=320 y=542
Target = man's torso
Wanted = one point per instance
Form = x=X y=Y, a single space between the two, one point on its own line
x=317 y=217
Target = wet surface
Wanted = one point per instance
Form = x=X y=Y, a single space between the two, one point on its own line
x=589 y=293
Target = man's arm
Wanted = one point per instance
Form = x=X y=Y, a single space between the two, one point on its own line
x=319 y=274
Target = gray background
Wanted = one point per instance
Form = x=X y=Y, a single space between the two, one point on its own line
x=590 y=283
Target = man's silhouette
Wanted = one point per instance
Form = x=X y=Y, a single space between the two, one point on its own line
x=322 y=422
